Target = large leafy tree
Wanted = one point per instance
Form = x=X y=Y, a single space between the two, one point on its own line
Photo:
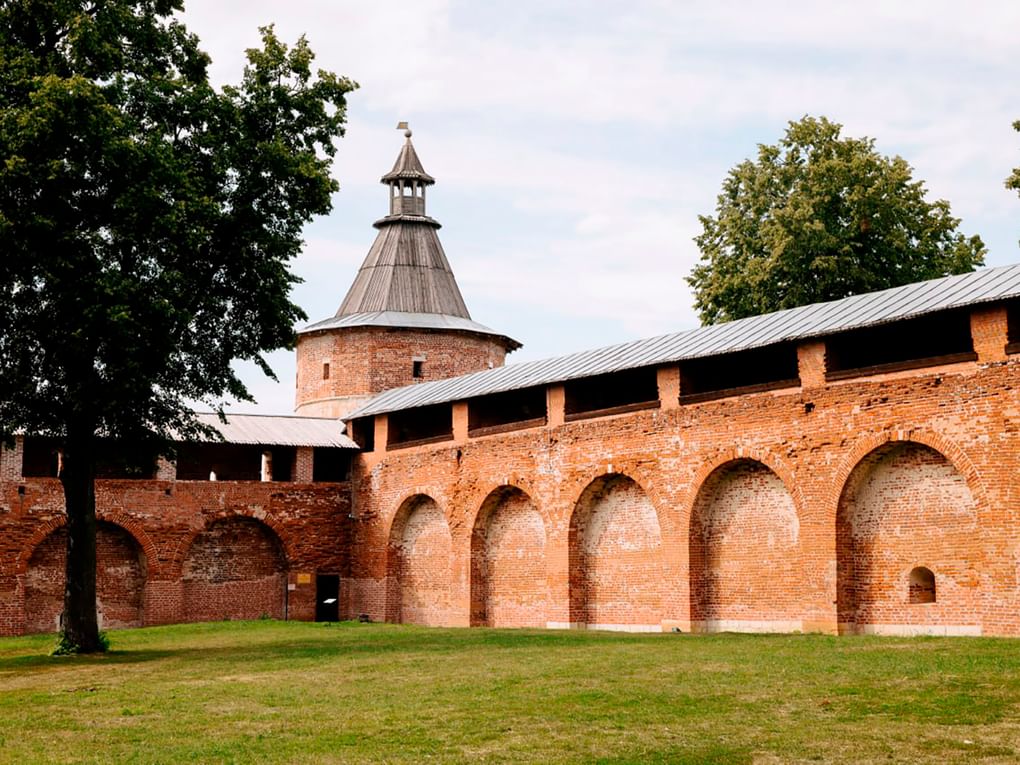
x=819 y=217
x=146 y=224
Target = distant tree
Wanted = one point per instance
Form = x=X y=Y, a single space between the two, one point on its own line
x=1013 y=182
x=146 y=224
x=819 y=217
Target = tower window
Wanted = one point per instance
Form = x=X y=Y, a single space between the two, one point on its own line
x=922 y=585
x=325 y=371
x=417 y=369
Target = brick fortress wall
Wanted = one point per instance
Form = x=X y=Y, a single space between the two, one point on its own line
x=172 y=551
x=804 y=508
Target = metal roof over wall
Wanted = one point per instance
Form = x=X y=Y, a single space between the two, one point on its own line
x=279 y=430
x=404 y=320
x=810 y=321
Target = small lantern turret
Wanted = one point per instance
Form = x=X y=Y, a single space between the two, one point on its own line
x=407 y=180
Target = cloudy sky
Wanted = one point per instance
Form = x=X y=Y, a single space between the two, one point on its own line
x=575 y=143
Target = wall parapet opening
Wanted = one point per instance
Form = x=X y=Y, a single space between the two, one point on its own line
x=1013 y=327
x=629 y=390
x=362 y=432
x=420 y=426
x=732 y=374
x=232 y=462
x=503 y=412
x=925 y=341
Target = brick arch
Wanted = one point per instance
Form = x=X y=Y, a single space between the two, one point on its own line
x=509 y=586
x=908 y=500
x=616 y=564
x=176 y=562
x=419 y=553
x=122 y=571
x=242 y=575
x=719 y=459
x=866 y=444
x=475 y=501
x=640 y=473
x=125 y=522
x=745 y=547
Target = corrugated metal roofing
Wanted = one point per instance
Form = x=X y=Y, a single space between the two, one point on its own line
x=279 y=430
x=808 y=321
x=409 y=321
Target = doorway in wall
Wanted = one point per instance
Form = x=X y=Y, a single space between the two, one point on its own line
x=327 y=598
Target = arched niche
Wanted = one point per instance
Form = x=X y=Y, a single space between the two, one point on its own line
x=746 y=572
x=419 y=564
x=617 y=571
x=121 y=570
x=906 y=507
x=508 y=564
x=235 y=568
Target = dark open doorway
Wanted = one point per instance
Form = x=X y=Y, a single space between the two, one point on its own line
x=327 y=598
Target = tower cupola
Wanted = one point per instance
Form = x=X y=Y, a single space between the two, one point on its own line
x=407 y=182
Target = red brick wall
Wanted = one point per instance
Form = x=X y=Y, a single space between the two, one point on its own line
x=905 y=506
x=164 y=520
x=747 y=492
x=234 y=569
x=508 y=565
x=746 y=568
x=419 y=564
x=367 y=360
x=120 y=580
x=615 y=557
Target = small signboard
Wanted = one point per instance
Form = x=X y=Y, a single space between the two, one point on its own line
x=304 y=578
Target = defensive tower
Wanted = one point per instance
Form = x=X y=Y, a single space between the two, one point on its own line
x=403 y=320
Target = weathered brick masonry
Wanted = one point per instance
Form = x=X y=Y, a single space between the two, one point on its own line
x=802 y=508
x=857 y=479
x=171 y=551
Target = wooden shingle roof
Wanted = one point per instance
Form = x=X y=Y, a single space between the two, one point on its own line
x=405 y=270
x=408 y=166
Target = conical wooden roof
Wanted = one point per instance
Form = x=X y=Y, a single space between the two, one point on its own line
x=406 y=280
x=406 y=270
x=408 y=166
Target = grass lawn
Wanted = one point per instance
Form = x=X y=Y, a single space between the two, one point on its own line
x=313 y=693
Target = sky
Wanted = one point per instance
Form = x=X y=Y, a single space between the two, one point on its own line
x=574 y=144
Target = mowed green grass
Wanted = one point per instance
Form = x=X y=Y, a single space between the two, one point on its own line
x=312 y=693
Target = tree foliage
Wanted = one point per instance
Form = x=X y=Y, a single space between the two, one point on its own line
x=147 y=220
x=819 y=217
x=1013 y=181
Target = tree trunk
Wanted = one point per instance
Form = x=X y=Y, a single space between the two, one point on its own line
x=80 y=625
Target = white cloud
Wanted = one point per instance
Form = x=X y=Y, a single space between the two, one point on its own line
x=575 y=145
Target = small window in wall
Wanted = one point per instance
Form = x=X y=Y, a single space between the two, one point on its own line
x=922 y=585
x=613 y=393
x=325 y=371
x=932 y=340
x=417 y=369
